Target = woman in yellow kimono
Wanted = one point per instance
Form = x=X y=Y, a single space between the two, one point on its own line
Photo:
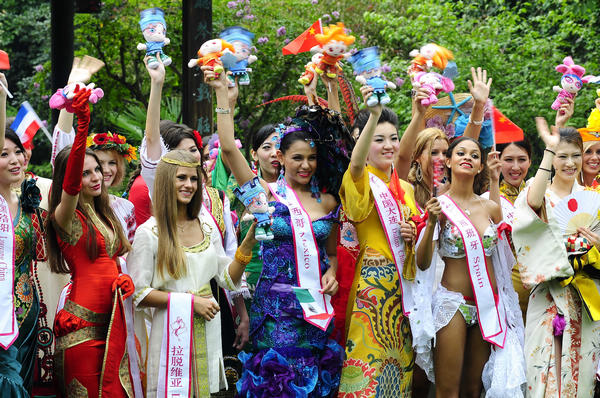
x=379 y=355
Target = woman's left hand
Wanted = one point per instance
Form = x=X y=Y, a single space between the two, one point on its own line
x=592 y=237
x=242 y=333
x=218 y=83
x=494 y=165
x=407 y=232
x=329 y=283
x=480 y=86
x=249 y=241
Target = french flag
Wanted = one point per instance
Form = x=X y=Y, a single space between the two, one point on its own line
x=26 y=124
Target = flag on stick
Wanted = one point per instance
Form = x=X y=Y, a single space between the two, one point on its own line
x=505 y=131
x=305 y=41
x=4 y=64
x=27 y=123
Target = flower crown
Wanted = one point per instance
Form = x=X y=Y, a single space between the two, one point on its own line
x=109 y=141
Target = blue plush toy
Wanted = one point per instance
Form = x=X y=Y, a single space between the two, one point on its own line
x=238 y=62
x=254 y=197
x=154 y=29
x=367 y=67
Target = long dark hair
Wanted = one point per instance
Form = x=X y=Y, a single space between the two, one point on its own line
x=102 y=209
x=480 y=183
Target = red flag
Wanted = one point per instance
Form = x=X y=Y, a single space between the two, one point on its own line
x=4 y=64
x=305 y=41
x=505 y=131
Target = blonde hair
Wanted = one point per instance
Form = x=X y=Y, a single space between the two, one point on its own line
x=171 y=257
x=423 y=143
x=334 y=32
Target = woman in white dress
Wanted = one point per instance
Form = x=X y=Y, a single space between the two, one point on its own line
x=177 y=251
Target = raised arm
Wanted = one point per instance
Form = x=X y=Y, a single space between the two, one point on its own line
x=480 y=91
x=2 y=110
x=152 y=134
x=535 y=196
x=407 y=142
x=361 y=149
x=564 y=113
x=495 y=167
x=425 y=246
x=333 y=93
x=65 y=211
x=233 y=156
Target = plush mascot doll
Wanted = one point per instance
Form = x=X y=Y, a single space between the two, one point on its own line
x=571 y=82
x=238 y=62
x=309 y=69
x=254 y=197
x=428 y=56
x=63 y=97
x=434 y=83
x=154 y=29
x=333 y=44
x=210 y=54
x=367 y=66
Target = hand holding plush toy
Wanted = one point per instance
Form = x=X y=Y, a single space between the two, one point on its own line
x=570 y=83
x=428 y=56
x=63 y=97
x=333 y=45
x=210 y=53
x=154 y=29
x=254 y=197
x=238 y=61
x=309 y=69
x=367 y=65
x=434 y=83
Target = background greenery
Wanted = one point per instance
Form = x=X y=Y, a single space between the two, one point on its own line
x=518 y=42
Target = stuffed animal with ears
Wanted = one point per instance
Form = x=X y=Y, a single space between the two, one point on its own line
x=154 y=29
x=63 y=97
x=333 y=43
x=434 y=83
x=428 y=56
x=367 y=66
x=571 y=82
x=254 y=197
x=238 y=62
x=210 y=53
x=309 y=69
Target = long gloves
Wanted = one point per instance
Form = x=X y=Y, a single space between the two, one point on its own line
x=74 y=171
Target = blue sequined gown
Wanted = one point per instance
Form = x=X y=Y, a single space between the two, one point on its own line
x=288 y=356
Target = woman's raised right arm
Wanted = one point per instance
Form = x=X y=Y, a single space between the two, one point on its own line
x=537 y=190
x=152 y=133
x=360 y=152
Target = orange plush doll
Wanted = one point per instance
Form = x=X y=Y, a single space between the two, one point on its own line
x=333 y=45
x=210 y=54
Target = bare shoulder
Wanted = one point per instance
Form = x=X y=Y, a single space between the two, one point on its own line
x=328 y=202
x=493 y=209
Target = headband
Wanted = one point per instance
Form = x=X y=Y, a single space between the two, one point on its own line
x=180 y=162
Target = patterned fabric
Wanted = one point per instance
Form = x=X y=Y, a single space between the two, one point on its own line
x=289 y=356
x=17 y=363
x=511 y=192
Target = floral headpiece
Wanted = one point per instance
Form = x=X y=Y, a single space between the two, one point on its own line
x=115 y=142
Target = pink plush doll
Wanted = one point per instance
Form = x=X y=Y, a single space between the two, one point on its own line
x=63 y=97
x=570 y=83
x=434 y=83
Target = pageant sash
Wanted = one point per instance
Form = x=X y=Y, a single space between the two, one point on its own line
x=9 y=329
x=316 y=306
x=492 y=319
x=175 y=371
x=390 y=217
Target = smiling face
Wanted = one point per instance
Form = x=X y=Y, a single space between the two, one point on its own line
x=567 y=161
x=465 y=159
x=109 y=160
x=186 y=184
x=188 y=144
x=515 y=164
x=437 y=151
x=384 y=147
x=300 y=162
x=266 y=156
x=91 y=182
x=591 y=161
x=154 y=32
x=12 y=162
x=335 y=48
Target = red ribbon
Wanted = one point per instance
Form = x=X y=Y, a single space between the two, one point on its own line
x=504 y=227
x=198 y=139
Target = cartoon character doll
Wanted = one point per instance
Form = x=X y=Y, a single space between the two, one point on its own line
x=210 y=53
x=63 y=97
x=367 y=66
x=333 y=45
x=309 y=69
x=571 y=82
x=154 y=29
x=238 y=62
x=254 y=197
x=434 y=83
x=428 y=56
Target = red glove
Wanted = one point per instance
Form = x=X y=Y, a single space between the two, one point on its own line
x=124 y=283
x=74 y=171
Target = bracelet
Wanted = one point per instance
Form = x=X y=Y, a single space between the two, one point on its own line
x=541 y=168
x=477 y=123
x=550 y=150
x=241 y=257
x=222 y=111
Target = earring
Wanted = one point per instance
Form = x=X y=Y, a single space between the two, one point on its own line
x=281 y=182
x=419 y=172
x=314 y=188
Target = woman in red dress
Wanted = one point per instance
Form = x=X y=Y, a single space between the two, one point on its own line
x=85 y=239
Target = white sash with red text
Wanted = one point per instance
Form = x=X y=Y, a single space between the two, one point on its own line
x=175 y=369
x=491 y=315
x=390 y=217
x=9 y=329
x=316 y=306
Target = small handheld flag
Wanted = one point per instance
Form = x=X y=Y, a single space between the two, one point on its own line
x=4 y=65
x=505 y=131
x=27 y=123
x=305 y=41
